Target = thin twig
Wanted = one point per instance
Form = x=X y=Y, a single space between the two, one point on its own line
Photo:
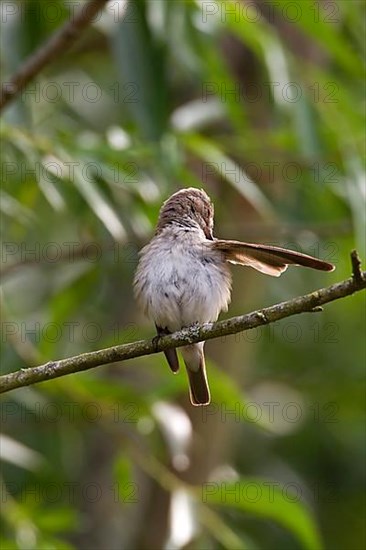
x=356 y=266
x=197 y=333
x=59 y=42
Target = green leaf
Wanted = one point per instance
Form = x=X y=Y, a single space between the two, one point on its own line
x=140 y=57
x=321 y=23
x=264 y=498
x=56 y=520
x=229 y=401
x=125 y=489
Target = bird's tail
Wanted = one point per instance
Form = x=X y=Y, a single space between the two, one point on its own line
x=194 y=360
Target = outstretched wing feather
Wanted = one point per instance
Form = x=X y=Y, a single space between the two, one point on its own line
x=271 y=260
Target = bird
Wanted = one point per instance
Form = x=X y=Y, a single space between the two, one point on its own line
x=183 y=276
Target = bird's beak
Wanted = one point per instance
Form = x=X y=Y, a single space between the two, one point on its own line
x=209 y=234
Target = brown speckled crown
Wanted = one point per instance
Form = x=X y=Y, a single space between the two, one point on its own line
x=188 y=208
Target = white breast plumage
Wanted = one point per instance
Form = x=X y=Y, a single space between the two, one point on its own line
x=181 y=281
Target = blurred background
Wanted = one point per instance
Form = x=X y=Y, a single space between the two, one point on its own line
x=262 y=105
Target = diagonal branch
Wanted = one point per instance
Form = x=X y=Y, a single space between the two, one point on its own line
x=196 y=333
x=60 y=41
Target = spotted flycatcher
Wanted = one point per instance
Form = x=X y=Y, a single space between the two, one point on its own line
x=183 y=276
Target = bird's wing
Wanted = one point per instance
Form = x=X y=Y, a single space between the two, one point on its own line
x=271 y=260
x=170 y=354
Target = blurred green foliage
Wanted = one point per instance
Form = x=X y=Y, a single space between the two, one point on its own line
x=262 y=104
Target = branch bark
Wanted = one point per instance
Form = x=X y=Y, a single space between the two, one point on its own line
x=60 y=41
x=308 y=303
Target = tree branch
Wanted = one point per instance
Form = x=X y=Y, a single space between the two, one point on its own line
x=60 y=41
x=197 y=333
